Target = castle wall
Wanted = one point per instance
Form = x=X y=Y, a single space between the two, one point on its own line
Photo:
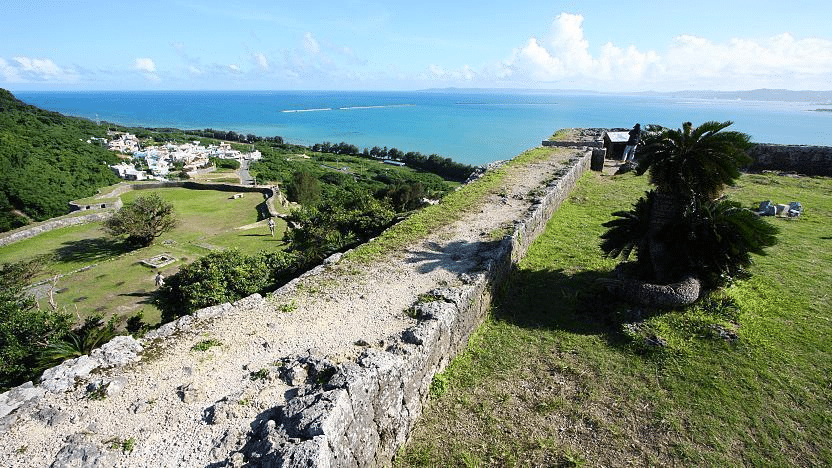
x=367 y=409
x=802 y=159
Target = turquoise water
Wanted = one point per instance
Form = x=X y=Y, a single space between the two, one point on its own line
x=473 y=127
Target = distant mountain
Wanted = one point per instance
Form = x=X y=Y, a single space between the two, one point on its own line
x=46 y=161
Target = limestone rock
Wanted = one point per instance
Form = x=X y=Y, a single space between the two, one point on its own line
x=119 y=351
x=80 y=452
x=62 y=377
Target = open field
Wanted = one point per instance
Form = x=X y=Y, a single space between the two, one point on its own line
x=562 y=375
x=115 y=282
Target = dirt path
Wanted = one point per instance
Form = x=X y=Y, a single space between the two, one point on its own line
x=162 y=412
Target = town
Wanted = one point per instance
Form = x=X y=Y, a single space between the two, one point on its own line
x=156 y=162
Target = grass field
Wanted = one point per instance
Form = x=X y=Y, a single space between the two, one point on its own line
x=562 y=375
x=112 y=280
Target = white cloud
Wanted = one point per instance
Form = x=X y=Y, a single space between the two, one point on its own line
x=564 y=58
x=43 y=67
x=235 y=68
x=27 y=70
x=8 y=72
x=261 y=61
x=147 y=68
x=145 y=64
x=310 y=44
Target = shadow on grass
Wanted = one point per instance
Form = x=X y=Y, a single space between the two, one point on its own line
x=557 y=300
x=92 y=250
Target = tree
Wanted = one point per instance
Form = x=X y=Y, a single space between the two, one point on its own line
x=304 y=189
x=142 y=221
x=25 y=329
x=224 y=276
x=680 y=228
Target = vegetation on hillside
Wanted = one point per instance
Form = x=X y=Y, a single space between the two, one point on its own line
x=46 y=161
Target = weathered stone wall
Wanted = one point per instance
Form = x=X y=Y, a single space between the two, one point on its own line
x=354 y=414
x=56 y=223
x=587 y=143
x=102 y=205
x=366 y=410
x=807 y=160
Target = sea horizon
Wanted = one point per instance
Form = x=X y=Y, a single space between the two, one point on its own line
x=472 y=126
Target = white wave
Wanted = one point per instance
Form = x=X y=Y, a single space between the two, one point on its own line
x=374 y=107
x=307 y=110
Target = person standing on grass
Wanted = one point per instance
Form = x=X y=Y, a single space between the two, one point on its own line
x=160 y=280
x=630 y=149
x=271 y=226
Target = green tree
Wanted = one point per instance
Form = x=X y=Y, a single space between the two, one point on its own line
x=680 y=228
x=25 y=330
x=340 y=222
x=142 y=221
x=223 y=277
x=304 y=189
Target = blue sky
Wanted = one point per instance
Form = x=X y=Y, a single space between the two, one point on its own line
x=392 y=45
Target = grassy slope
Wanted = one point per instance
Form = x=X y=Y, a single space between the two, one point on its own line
x=553 y=379
x=118 y=284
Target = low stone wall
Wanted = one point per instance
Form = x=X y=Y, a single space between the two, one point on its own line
x=102 y=205
x=807 y=160
x=55 y=223
x=586 y=143
x=365 y=411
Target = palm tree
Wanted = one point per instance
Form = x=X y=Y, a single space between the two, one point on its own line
x=679 y=228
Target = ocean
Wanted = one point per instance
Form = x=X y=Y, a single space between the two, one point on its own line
x=472 y=127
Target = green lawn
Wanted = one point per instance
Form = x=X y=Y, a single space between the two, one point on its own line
x=115 y=282
x=561 y=374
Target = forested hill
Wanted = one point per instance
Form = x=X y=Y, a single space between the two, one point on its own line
x=45 y=161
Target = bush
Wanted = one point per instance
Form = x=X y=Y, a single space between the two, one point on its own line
x=82 y=340
x=222 y=277
x=25 y=330
x=226 y=163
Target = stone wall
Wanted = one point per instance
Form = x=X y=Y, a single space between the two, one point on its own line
x=365 y=411
x=7 y=238
x=354 y=414
x=102 y=205
x=807 y=160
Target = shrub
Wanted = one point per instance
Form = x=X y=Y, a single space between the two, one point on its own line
x=25 y=329
x=82 y=340
x=222 y=277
